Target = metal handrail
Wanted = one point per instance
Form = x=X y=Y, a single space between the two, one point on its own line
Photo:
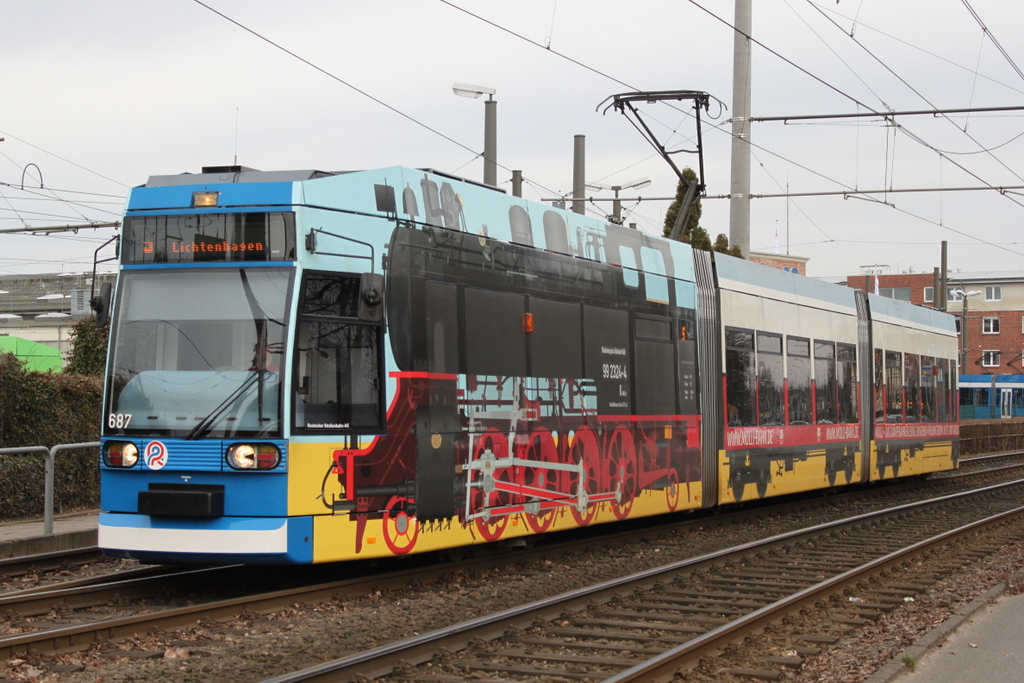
x=50 y=454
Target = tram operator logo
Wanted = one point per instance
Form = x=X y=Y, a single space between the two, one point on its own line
x=156 y=455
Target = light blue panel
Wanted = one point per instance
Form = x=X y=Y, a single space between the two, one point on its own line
x=919 y=315
x=629 y=273
x=426 y=198
x=739 y=270
x=686 y=294
x=682 y=259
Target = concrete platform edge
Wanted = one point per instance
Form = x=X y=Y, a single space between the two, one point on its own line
x=938 y=635
x=47 y=544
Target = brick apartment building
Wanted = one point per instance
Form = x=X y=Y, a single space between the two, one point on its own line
x=993 y=310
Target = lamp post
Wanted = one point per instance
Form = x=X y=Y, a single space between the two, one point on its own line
x=963 y=327
x=616 y=214
x=490 y=127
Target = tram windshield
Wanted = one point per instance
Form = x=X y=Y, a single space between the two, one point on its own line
x=198 y=352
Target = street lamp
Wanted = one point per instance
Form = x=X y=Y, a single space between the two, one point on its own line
x=490 y=127
x=616 y=214
x=963 y=326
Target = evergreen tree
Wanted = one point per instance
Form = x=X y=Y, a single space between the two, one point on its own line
x=691 y=233
x=88 y=354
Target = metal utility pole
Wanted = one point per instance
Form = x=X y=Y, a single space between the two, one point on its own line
x=739 y=191
x=578 y=174
x=490 y=127
x=491 y=142
x=943 y=284
x=517 y=183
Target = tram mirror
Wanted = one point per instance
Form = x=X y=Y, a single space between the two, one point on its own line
x=101 y=304
x=371 y=297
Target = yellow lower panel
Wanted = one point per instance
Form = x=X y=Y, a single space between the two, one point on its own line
x=780 y=479
x=338 y=537
x=889 y=463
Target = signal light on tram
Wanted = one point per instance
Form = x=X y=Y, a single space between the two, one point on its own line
x=258 y=456
x=527 y=323
x=200 y=199
x=121 y=454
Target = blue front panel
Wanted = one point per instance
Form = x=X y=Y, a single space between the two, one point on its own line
x=251 y=494
x=167 y=199
x=246 y=493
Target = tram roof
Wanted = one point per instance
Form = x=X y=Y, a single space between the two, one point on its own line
x=236 y=174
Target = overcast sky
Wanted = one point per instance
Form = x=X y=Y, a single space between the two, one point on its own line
x=97 y=96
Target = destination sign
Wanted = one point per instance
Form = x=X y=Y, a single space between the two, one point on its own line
x=204 y=238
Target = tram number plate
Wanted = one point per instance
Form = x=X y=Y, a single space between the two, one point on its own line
x=119 y=420
x=612 y=371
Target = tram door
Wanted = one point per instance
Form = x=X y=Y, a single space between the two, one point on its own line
x=1006 y=403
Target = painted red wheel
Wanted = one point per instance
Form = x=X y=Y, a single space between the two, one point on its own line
x=492 y=444
x=672 y=491
x=540 y=447
x=621 y=464
x=586 y=450
x=400 y=528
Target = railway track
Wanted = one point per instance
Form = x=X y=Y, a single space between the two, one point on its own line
x=78 y=614
x=649 y=625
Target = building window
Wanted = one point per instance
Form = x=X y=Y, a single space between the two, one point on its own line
x=993 y=293
x=898 y=293
x=990 y=325
x=958 y=324
x=929 y=295
x=990 y=359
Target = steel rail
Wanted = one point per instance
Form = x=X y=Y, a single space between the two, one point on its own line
x=49 y=560
x=664 y=666
x=380 y=661
x=84 y=635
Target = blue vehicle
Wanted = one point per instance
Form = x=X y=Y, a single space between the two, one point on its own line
x=991 y=397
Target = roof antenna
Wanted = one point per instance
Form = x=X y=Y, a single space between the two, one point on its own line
x=236 y=137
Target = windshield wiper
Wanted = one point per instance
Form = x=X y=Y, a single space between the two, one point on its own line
x=206 y=424
x=260 y=361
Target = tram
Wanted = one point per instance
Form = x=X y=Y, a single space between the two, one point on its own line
x=316 y=367
x=991 y=397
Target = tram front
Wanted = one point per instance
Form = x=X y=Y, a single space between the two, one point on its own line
x=193 y=449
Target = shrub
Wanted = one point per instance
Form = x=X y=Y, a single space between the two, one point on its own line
x=46 y=409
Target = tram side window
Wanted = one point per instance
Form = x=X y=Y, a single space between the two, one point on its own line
x=879 y=387
x=770 y=407
x=847 y=380
x=739 y=377
x=928 y=381
x=893 y=386
x=798 y=361
x=945 y=393
x=825 y=382
x=338 y=372
x=952 y=414
x=912 y=384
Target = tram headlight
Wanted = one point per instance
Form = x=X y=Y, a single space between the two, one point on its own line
x=253 y=456
x=121 y=454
